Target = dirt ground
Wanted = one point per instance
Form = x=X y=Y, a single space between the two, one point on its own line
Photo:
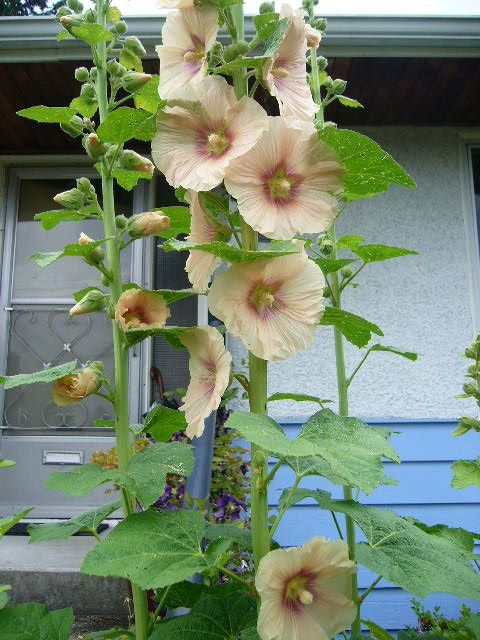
x=95 y=623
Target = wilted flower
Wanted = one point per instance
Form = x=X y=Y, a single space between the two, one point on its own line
x=284 y=184
x=92 y=301
x=209 y=376
x=285 y=75
x=77 y=386
x=199 y=136
x=147 y=224
x=200 y=264
x=305 y=591
x=139 y=309
x=313 y=36
x=187 y=36
x=272 y=305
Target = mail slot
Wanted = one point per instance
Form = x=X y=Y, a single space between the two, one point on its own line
x=63 y=457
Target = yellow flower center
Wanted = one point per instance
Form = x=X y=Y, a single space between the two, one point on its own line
x=279 y=186
x=262 y=298
x=192 y=56
x=217 y=143
x=279 y=72
x=297 y=590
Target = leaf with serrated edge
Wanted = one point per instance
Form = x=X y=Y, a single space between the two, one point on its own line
x=381 y=252
x=48 y=115
x=180 y=219
x=233 y=254
x=7 y=523
x=356 y=329
x=46 y=376
x=35 y=622
x=68 y=251
x=466 y=473
x=242 y=537
x=152 y=549
x=122 y=125
x=162 y=422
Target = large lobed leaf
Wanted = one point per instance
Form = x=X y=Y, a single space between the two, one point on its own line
x=234 y=254
x=35 y=622
x=68 y=251
x=50 y=219
x=179 y=222
x=126 y=123
x=369 y=169
x=48 y=115
x=7 y=523
x=381 y=252
x=356 y=329
x=466 y=473
x=47 y=375
x=162 y=422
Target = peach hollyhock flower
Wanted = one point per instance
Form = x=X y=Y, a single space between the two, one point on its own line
x=187 y=36
x=147 y=224
x=199 y=136
x=77 y=386
x=200 y=264
x=209 y=376
x=272 y=305
x=139 y=309
x=284 y=184
x=305 y=591
x=175 y=4
x=285 y=75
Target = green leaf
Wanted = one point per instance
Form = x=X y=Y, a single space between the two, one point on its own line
x=356 y=329
x=473 y=623
x=232 y=532
x=129 y=179
x=48 y=115
x=116 y=633
x=233 y=254
x=78 y=295
x=215 y=615
x=182 y=594
x=399 y=352
x=322 y=497
x=466 y=473
x=64 y=35
x=47 y=375
x=296 y=397
x=7 y=523
x=147 y=97
x=381 y=252
x=162 y=422
x=377 y=632
x=88 y=521
x=50 y=219
x=69 y=251
x=349 y=242
x=465 y=424
x=152 y=549
x=6 y=464
x=369 y=169
x=461 y=537
x=92 y=33
x=130 y=60
x=86 y=107
x=350 y=102
x=353 y=449
x=179 y=222
x=35 y=622
x=265 y=24
x=123 y=124
x=276 y=38
x=329 y=265
x=4 y=597
x=250 y=62
x=250 y=634
x=401 y=552
x=171 y=334
x=174 y=295
x=79 y=481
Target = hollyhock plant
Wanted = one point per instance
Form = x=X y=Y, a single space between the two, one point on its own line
x=187 y=36
x=305 y=591
x=209 y=376
x=200 y=264
x=147 y=224
x=285 y=74
x=139 y=309
x=286 y=183
x=199 y=136
x=272 y=305
x=78 y=386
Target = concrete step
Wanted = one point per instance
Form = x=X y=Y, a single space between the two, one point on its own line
x=49 y=572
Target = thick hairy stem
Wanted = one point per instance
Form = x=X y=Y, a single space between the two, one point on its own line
x=258 y=367
x=343 y=410
x=124 y=450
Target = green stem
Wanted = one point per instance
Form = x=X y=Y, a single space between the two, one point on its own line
x=284 y=508
x=342 y=385
x=367 y=592
x=359 y=366
x=120 y=348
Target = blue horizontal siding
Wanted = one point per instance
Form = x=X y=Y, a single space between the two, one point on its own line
x=427 y=450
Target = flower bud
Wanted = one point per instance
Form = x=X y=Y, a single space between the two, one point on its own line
x=326 y=246
x=90 y=16
x=86 y=187
x=133 y=44
x=346 y=272
x=92 y=301
x=121 y=27
x=267 y=7
x=231 y=52
x=339 y=86
x=93 y=73
x=93 y=146
x=63 y=11
x=121 y=222
x=68 y=22
x=328 y=83
x=132 y=161
x=133 y=81
x=115 y=69
x=322 y=63
x=88 y=91
x=243 y=47
x=313 y=37
x=320 y=24
x=74 y=127
x=71 y=199
x=147 y=224
x=79 y=385
x=81 y=74
x=75 y=5
x=94 y=257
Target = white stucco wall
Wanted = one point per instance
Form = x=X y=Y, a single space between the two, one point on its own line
x=422 y=303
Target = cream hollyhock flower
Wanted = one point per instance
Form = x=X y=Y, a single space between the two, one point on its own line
x=314 y=37
x=77 y=386
x=199 y=136
x=187 y=36
x=147 y=224
x=305 y=592
x=285 y=75
x=284 y=184
x=272 y=305
x=209 y=376
x=200 y=264
x=139 y=309
x=175 y=4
